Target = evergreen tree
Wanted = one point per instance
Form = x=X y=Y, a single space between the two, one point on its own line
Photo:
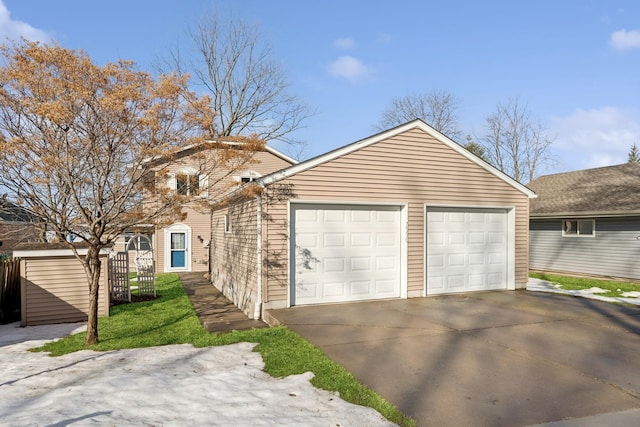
x=634 y=156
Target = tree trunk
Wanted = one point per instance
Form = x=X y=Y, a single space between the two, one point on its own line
x=92 y=269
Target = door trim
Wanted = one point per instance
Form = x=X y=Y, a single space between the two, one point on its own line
x=177 y=228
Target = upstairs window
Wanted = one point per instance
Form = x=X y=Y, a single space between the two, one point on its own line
x=579 y=227
x=188 y=182
x=188 y=185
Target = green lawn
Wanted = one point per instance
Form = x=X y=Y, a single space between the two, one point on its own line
x=578 y=283
x=171 y=319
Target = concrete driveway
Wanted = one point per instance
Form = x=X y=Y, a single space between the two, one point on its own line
x=484 y=359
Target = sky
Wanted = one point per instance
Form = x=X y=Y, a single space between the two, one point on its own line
x=574 y=64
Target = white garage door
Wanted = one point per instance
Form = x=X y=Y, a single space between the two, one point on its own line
x=345 y=253
x=466 y=250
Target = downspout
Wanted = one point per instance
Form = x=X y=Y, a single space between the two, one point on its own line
x=257 y=312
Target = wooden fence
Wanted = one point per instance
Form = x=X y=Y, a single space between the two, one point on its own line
x=9 y=291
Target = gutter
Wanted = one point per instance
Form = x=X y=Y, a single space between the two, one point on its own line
x=593 y=214
x=257 y=311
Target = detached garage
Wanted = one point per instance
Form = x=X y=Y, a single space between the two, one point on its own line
x=404 y=213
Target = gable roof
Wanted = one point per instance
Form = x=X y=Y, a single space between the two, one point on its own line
x=210 y=143
x=606 y=191
x=11 y=212
x=331 y=155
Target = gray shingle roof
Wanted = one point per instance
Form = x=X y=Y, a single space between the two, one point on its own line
x=611 y=190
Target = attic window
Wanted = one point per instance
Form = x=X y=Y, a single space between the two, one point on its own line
x=248 y=176
x=579 y=228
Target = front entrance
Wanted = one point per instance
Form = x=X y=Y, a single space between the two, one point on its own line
x=177 y=244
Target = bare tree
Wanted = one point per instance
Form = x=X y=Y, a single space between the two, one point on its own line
x=516 y=143
x=249 y=91
x=78 y=143
x=438 y=109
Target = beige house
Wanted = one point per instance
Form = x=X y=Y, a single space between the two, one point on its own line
x=404 y=213
x=183 y=246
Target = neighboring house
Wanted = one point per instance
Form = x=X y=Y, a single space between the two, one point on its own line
x=587 y=222
x=404 y=213
x=17 y=225
x=184 y=246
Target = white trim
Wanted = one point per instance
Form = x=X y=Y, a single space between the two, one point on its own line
x=308 y=164
x=511 y=239
x=281 y=155
x=404 y=238
x=43 y=253
x=577 y=233
x=257 y=312
x=231 y=143
x=177 y=228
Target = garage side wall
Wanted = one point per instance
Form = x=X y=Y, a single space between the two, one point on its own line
x=234 y=254
x=412 y=168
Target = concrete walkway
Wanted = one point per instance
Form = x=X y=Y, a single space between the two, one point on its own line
x=512 y=358
x=216 y=312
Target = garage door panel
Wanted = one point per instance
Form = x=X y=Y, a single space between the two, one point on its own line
x=355 y=253
x=466 y=249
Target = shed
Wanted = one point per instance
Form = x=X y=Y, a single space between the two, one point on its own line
x=404 y=213
x=587 y=222
x=54 y=286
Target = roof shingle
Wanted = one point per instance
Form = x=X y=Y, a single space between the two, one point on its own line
x=611 y=190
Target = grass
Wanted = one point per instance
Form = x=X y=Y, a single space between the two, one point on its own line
x=614 y=288
x=171 y=319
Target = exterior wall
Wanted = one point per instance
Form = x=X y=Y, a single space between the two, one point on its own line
x=55 y=290
x=12 y=233
x=614 y=251
x=234 y=268
x=199 y=252
x=196 y=215
x=411 y=168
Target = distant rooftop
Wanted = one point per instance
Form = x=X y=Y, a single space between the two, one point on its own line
x=611 y=190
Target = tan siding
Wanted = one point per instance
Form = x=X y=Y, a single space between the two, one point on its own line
x=197 y=218
x=411 y=168
x=55 y=290
x=234 y=255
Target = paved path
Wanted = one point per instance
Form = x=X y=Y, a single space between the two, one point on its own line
x=216 y=312
x=485 y=359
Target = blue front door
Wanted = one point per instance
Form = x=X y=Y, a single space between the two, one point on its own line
x=178 y=250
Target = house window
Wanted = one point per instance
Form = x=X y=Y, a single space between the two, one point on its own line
x=248 y=176
x=188 y=184
x=140 y=242
x=579 y=227
x=227 y=223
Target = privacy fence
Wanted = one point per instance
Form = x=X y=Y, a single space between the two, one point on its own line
x=9 y=291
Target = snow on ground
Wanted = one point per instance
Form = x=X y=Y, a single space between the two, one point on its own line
x=545 y=286
x=169 y=385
